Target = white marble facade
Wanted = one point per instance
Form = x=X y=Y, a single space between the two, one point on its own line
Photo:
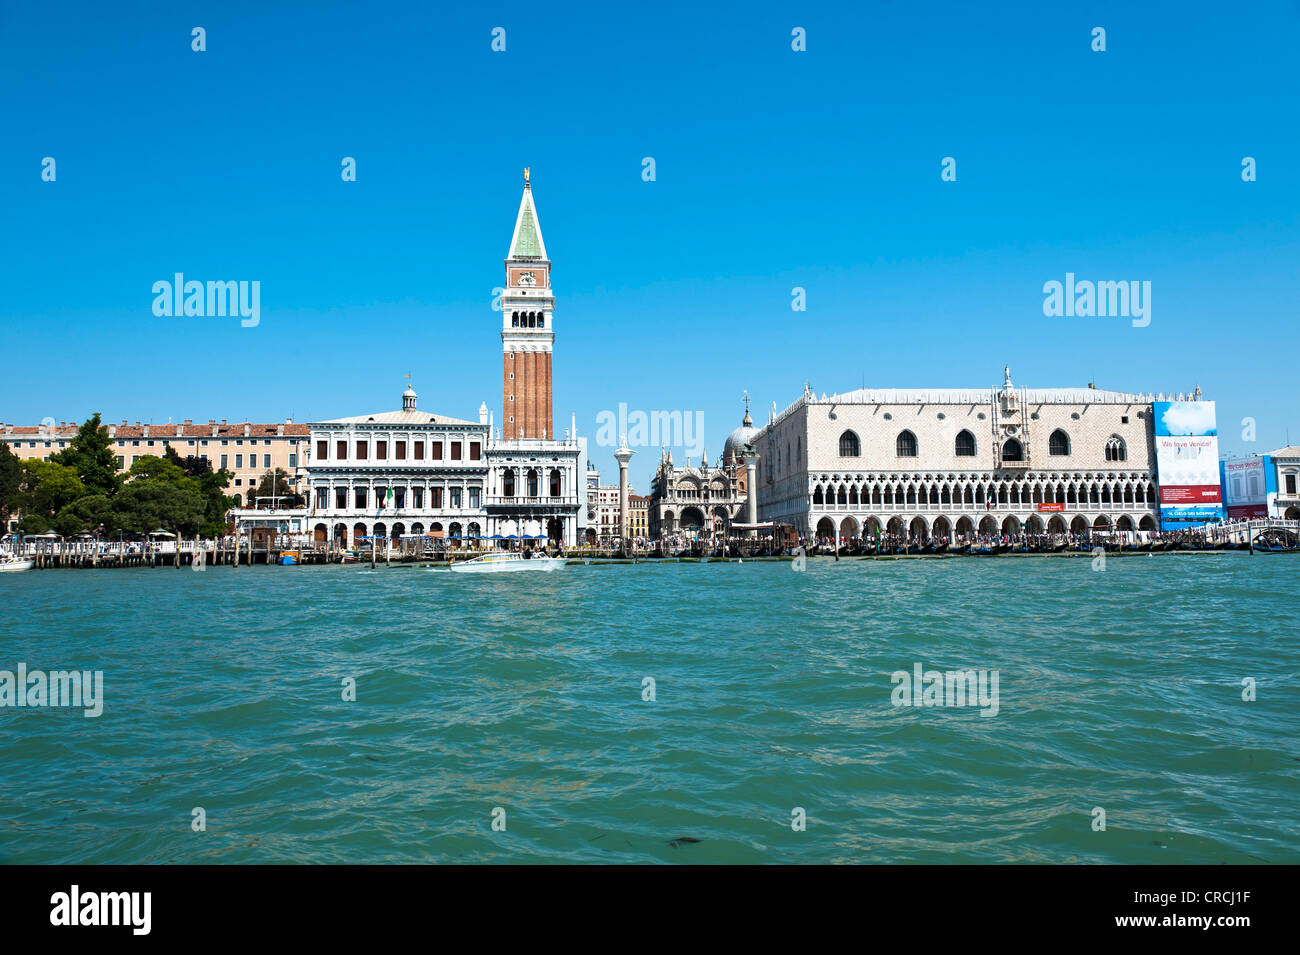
x=939 y=463
x=450 y=479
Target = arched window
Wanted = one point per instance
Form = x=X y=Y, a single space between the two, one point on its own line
x=555 y=482
x=1115 y=449
x=532 y=482
x=541 y=319
x=514 y=319
x=508 y=484
x=817 y=495
x=1012 y=451
x=1059 y=443
x=965 y=445
x=850 y=446
x=906 y=445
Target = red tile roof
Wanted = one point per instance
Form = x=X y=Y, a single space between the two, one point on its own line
x=168 y=431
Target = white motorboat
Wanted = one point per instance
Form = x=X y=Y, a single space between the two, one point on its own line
x=11 y=563
x=506 y=563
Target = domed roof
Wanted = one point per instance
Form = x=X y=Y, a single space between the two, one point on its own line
x=737 y=440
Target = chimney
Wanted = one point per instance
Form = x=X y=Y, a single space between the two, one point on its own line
x=279 y=429
x=146 y=430
x=248 y=429
x=112 y=431
x=188 y=421
x=223 y=420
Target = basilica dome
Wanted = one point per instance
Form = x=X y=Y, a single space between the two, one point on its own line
x=737 y=440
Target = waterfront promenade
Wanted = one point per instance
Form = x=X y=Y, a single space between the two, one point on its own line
x=1263 y=535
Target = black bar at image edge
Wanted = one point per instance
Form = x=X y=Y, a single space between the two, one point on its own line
x=213 y=903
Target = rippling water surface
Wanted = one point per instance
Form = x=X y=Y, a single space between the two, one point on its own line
x=1118 y=689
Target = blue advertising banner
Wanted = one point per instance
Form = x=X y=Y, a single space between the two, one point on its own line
x=1187 y=463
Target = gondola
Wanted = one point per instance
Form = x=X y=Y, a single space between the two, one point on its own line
x=1271 y=547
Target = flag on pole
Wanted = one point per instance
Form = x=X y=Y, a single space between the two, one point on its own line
x=386 y=500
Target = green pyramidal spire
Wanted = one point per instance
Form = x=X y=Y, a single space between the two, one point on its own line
x=527 y=242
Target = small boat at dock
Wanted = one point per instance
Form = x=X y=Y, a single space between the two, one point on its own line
x=12 y=564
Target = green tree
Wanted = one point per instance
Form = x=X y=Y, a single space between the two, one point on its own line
x=145 y=506
x=91 y=512
x=46 y=488
x=11 y=479
x=212 y=488
x=149 y=467
x=92 y=456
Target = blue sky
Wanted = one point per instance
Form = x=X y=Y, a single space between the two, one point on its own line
x=774 y=169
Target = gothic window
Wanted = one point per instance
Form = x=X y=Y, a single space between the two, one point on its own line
x=1059 y=443
x=1012 y=451
x=514 y=320
x=906 y=445
x=1115 y=450
x=850 y=446
x=817 y=495
x=965 y=445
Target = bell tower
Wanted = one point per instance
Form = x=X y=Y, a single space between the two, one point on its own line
x=527 y=332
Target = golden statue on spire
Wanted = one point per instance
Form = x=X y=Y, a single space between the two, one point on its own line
x=525 y=175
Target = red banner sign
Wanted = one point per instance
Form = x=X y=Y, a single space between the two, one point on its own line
x=1051 y=507
x=1189 y=494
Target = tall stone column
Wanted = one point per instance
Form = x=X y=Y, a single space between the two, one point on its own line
x=751 y=488
x=623 y=455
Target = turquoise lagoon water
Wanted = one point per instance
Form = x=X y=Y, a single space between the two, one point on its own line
x=1118 y=689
